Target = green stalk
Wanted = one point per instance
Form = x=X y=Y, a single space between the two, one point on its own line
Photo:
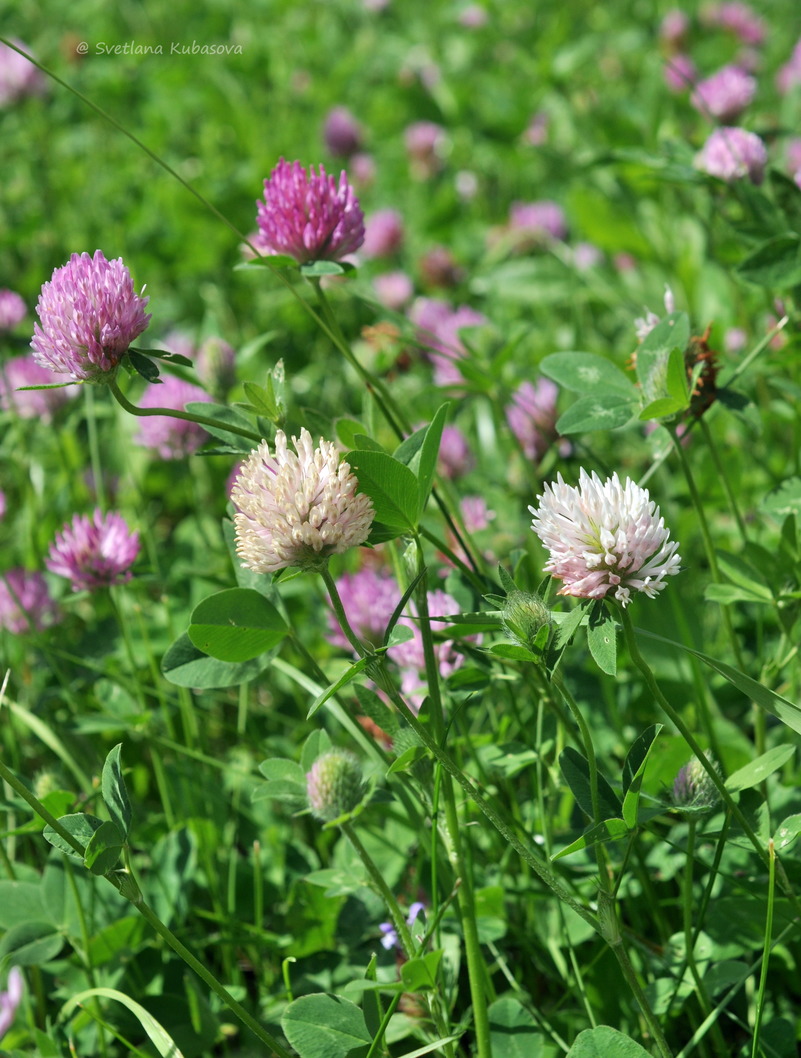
x=94 y=447
x=686 y=734
x=476 y=968
x=763 y=975
x=689 y=937
x=378 y=880
x=709 y=546
x=173 y=413
x=724 y=479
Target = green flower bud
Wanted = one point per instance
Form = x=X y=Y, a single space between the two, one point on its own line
x=334 y=785
x=693 y=787
x=524 y=616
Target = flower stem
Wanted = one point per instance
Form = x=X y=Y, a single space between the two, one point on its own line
x=174 y=413
x=378 y=880
x=686 y=734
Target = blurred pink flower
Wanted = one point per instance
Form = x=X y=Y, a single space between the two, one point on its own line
x=25 y=602
x=731 y=153
x=789 y=74
x=362 y=169
x=394 y=289
x=439 y=326
x=674 y=28
x=297 y=509
x=475 y=513
x=341 y=133
x=680 y=73
x=13 y=310
x=89 y=316
x=542 y=221
x=18 y=76
x=383 y=233
x=537 y=132
x=94 y=552
x=735 y=340
x=11 y=999
x=308 y=215
x=474 y=16
x=724 y=95
x=425 y=142
x=532 y=417
x=171 y=438
x=586 y=256
x=604 y=537
x=369 y=598
x=41 y=404
x=455 y=457
x=737 y=18
x=410 y=656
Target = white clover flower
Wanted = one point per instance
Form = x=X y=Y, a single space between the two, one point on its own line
x=297 y=509
x=603 y=538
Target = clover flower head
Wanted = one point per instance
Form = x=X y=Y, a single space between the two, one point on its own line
x=738 y=18
x=309 y=215
x=297 y=508
x=25 y=602
x=789 y=74
x=439 y=326
x=731 y=153
x=94 y=552
x=454 y=458
x=13 y=310
x=394 y=290
x=541 y=221
x=89 y=315
x=334 y=785
x=724 y=95
x=604 y=538
x=680 y=73
x=171 y=438
x=673 y=28
x=693 y=787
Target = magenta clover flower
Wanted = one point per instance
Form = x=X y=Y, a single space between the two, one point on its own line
x=724 y=95
x=13 y=310
x=297 y=508
x=532 y=416
x=94 y=552
x=308 y=215
x=89 y=315
x=731 y=153
x=604 y=537
x=25 y=602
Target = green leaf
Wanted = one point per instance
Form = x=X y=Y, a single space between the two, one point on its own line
x=785 y=499
x=606 y=409
x=602 y=638
x=281 y=768
x=664 y=408
x=31 y=944
x=351 y=674
x=324 y=1026
x=167 y=357
x=322 y=268
x=786 y=711
x=677 y=384
x=655 y=352
x=420 y=975
x=576 y=771
x=224 y=417
x=236 y=625
x=776 y=264
x=20 y=902
x=115 y=795
x=143 y=366
x=270 y=260
x=513 y=652
x=587 y=373
x=758 y=770
x=186 y=666
x=158 y=1036
x=262 y=400
x=787 y=832
x=429 y=451
x=80 y=825
x=634 y=771
x=513 y=1031
x=603 y=1042
x=390 y=485
x=103 y=849
x=348 y=430
x=743 y=573
x=608 y=830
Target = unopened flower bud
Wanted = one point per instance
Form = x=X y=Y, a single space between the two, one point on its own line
x=524 y=615
x=693 y=786
x=334 y=785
